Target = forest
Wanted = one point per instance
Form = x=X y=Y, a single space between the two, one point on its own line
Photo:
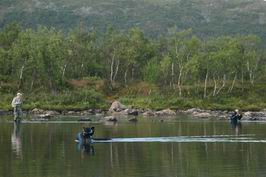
x=207 y=18
x=85 y=69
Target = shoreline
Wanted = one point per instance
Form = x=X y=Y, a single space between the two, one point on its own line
x=115 y=114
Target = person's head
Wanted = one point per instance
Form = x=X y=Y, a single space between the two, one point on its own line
x=92 y=128
x=19 y=94
x=237 y=110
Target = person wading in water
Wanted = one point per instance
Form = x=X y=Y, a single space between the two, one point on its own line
x=16 y=104
x=87 y=132
x=235 y=120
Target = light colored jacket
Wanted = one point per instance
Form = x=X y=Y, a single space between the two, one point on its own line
x=16 y=101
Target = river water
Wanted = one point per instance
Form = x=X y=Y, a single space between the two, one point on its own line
x=180 y=147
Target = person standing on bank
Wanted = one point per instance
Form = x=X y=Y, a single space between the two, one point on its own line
x=16 y=104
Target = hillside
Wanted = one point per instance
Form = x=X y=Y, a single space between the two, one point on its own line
x=154 y=17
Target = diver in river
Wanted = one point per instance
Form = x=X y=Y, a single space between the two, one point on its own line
x=235 y=121
x=236 y=116
x=86 y=135
x=88 y=132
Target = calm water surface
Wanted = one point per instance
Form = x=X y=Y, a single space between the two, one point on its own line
x=149 y=148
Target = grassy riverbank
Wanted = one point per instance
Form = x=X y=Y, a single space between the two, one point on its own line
x=140 y=95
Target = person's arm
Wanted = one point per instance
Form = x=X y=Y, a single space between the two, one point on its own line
x=232 y=115
x=13 y=104
x=239 y=116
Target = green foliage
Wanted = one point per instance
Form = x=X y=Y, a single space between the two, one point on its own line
x=81 y=68
x=75 y=100
x=152 y=71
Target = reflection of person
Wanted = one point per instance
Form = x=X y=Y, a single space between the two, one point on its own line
x=238 y=128
x=16 y=140
x=16 y=104
x=87 y=148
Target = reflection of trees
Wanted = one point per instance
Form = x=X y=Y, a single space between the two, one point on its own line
x=48 y=150
x=184 y=159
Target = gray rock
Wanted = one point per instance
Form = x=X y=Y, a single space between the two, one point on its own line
x=130 y=111
x=193 y=110
x=71 y=113
x=51 y=113
x=254 y=115
x=117 y=107
x=201 y=114
x=165 y=112
x=37 y=111
x=149 y=113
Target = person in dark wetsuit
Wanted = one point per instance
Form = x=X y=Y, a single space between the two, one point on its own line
x=235 y=118
x=87 y=133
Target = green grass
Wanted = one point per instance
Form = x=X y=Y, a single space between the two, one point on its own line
x=138 y=95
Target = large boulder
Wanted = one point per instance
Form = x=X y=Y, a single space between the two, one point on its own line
x=37 y=111
x=117 y=107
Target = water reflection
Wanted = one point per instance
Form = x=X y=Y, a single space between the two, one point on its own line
x=16 y=140
x=236 y=126
x=86 y=149
x=148 y=148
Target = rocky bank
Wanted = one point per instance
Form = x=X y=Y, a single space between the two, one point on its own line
x=118 y=110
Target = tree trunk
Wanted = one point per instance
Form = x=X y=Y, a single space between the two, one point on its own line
x=242 y=79
x=112 y=69
x=21 y=77
x=250 y=73
x=205 y=84
x=215 y=87
x=64 y=71
x=132 y=73
x=125 y=77
x=233 y=84
x=179 y=81
x=116 y=70
x=33 y=79
x=172 y=77
x=224 y=78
